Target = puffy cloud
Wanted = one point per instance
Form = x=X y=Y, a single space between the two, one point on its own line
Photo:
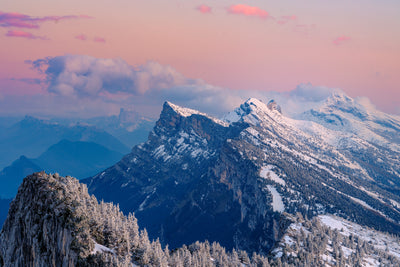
x=81 y=37
x=19 y=20
x=87 y=76
x=105 y=85
x=204 y=9
x=341 y=39
x=247 y=10
x=114 y=82
x=23 y=34
x=99 y=40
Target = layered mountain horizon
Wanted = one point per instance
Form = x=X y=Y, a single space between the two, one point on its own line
x=257 y=180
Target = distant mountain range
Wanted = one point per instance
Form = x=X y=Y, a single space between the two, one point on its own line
x=129 y=127
x=78 y=159
x=76 y=147
x=31 y=137
x=236 y=180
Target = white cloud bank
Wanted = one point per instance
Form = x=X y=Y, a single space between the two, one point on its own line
x=84 y=86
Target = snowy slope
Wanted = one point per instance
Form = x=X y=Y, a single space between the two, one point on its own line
x=328 y=240
x=248 y=171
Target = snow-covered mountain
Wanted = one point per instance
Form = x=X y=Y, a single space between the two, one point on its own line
x=237 y=180
x=342 y=113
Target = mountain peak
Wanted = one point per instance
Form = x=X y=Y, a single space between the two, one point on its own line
x=187 y=112
x=254 y=102
x=339 y=97
x=254 y=105
x=338 y=101
x=245 y=178
x=30 y=120
x=184 y=112
x=253 y=111
x=56 y=213
x=272 y=105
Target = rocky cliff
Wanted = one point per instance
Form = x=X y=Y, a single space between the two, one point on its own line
x=233 y=180
x=54 y=222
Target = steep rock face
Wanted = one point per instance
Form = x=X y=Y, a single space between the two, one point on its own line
x=234 y=181
x=272 y=105
x=184 y=184
x=54 y=222
x=24 y=239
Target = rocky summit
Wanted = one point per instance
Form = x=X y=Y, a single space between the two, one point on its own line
x=239 y=180
x=54 y=222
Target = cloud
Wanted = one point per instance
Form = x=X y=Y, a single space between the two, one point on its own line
x=19 y=20
x=28 y=80
x=341 y=39
x=366 y=102
x=81 y=37
x=99 y=40
x=86 y=76
x=115 y=83
x=247 y=10
x=81 y=83
x=39 y=65
x=204 y=9
x=285 y=19
x=96 y=39
x=23 y=34
x=309 y=92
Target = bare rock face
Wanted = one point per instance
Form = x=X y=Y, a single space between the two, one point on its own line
x=54 y=222
x=234 y=181
x=191 y=181
x=272 y=105
x=24 y=239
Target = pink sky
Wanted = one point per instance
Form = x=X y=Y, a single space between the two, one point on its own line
x=250 y=44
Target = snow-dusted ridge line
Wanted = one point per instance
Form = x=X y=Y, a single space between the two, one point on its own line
x=251 y=111
x=187 y=112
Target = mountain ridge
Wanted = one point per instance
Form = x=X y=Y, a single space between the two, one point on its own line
x=258 y=164
x=79 y=159
x=31 y=137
